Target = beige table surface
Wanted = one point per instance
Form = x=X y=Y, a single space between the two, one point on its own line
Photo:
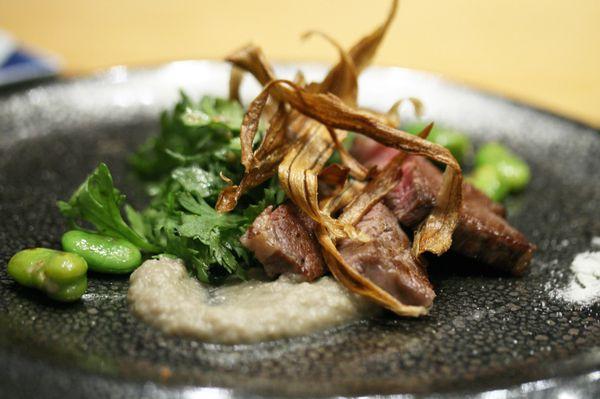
x=545 y=52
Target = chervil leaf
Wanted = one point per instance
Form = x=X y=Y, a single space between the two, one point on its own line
x=181 y=167
x=98 y=202
x=197 y=181
x=193 y=134
x=229 y=113
x=272 y=195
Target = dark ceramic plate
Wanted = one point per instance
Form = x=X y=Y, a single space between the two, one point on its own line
x=485 y=333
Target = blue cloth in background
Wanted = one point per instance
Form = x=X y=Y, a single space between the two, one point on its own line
x=16 y=58
x=19 y=65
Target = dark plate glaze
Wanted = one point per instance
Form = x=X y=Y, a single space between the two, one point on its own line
x=484 y=333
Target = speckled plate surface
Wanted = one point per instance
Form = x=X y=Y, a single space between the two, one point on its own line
x=485 y=333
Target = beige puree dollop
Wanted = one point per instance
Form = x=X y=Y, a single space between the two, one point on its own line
x=163 y=294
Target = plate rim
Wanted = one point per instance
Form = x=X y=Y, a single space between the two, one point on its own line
x=587 y=377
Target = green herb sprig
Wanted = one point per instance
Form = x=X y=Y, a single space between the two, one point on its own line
x=181 y=168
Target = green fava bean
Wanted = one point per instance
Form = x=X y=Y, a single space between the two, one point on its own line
x=62 y=276
x=22 y=265
x=487 y=179
x=103 y=254
x=491 y=153
x=457 y=143
x=513 y=171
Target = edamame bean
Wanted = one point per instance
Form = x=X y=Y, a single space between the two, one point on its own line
x=457 y=143
x=487 y=179
x=103 y=254
x=491 y=153
x=513 y=171
x=61 y=275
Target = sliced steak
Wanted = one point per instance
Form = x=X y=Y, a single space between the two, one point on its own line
x=386 y=259
x=414 y=196
x=283 y=240
x=482 y=233
x=487 y=237
x=372 y=153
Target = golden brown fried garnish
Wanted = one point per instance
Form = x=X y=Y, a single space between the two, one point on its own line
x=357 y=170
x=235 y=81
x=343 y=82
x=310 y=122
x=259 y=165
x=435 y=233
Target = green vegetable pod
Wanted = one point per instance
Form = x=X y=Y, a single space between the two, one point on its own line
x=487 y=179
x=457 y=143
x=62 y=276
x=103 y=254
x=491 y=153
x=513 y=171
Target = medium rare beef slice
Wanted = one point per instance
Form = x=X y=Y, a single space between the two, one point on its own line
x=386 y=259
x=481 y=232
x=371 y=153
x=486 y=237
x=414 y=196
x=428 y=180
x=283 y=240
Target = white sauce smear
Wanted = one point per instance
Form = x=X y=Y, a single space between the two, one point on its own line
x=584 y=288
x=163 y=294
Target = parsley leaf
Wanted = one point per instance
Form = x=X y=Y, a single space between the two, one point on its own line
x=181 y=168
x=98 y=202
x=203 y=133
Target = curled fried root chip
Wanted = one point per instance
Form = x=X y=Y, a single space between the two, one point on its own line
x=300 y=79
x=393 y=116
x=357 y=170
x=235 y=81
x=298 y=175
x=353 y=212
x=308 y=125
x=374 y=191
x=359 y=284
x=334 y=175
x=435 y=233
x=364 y=50
x=259 y=165
x=347 y=194
x=344 y=82
x=251 y=59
